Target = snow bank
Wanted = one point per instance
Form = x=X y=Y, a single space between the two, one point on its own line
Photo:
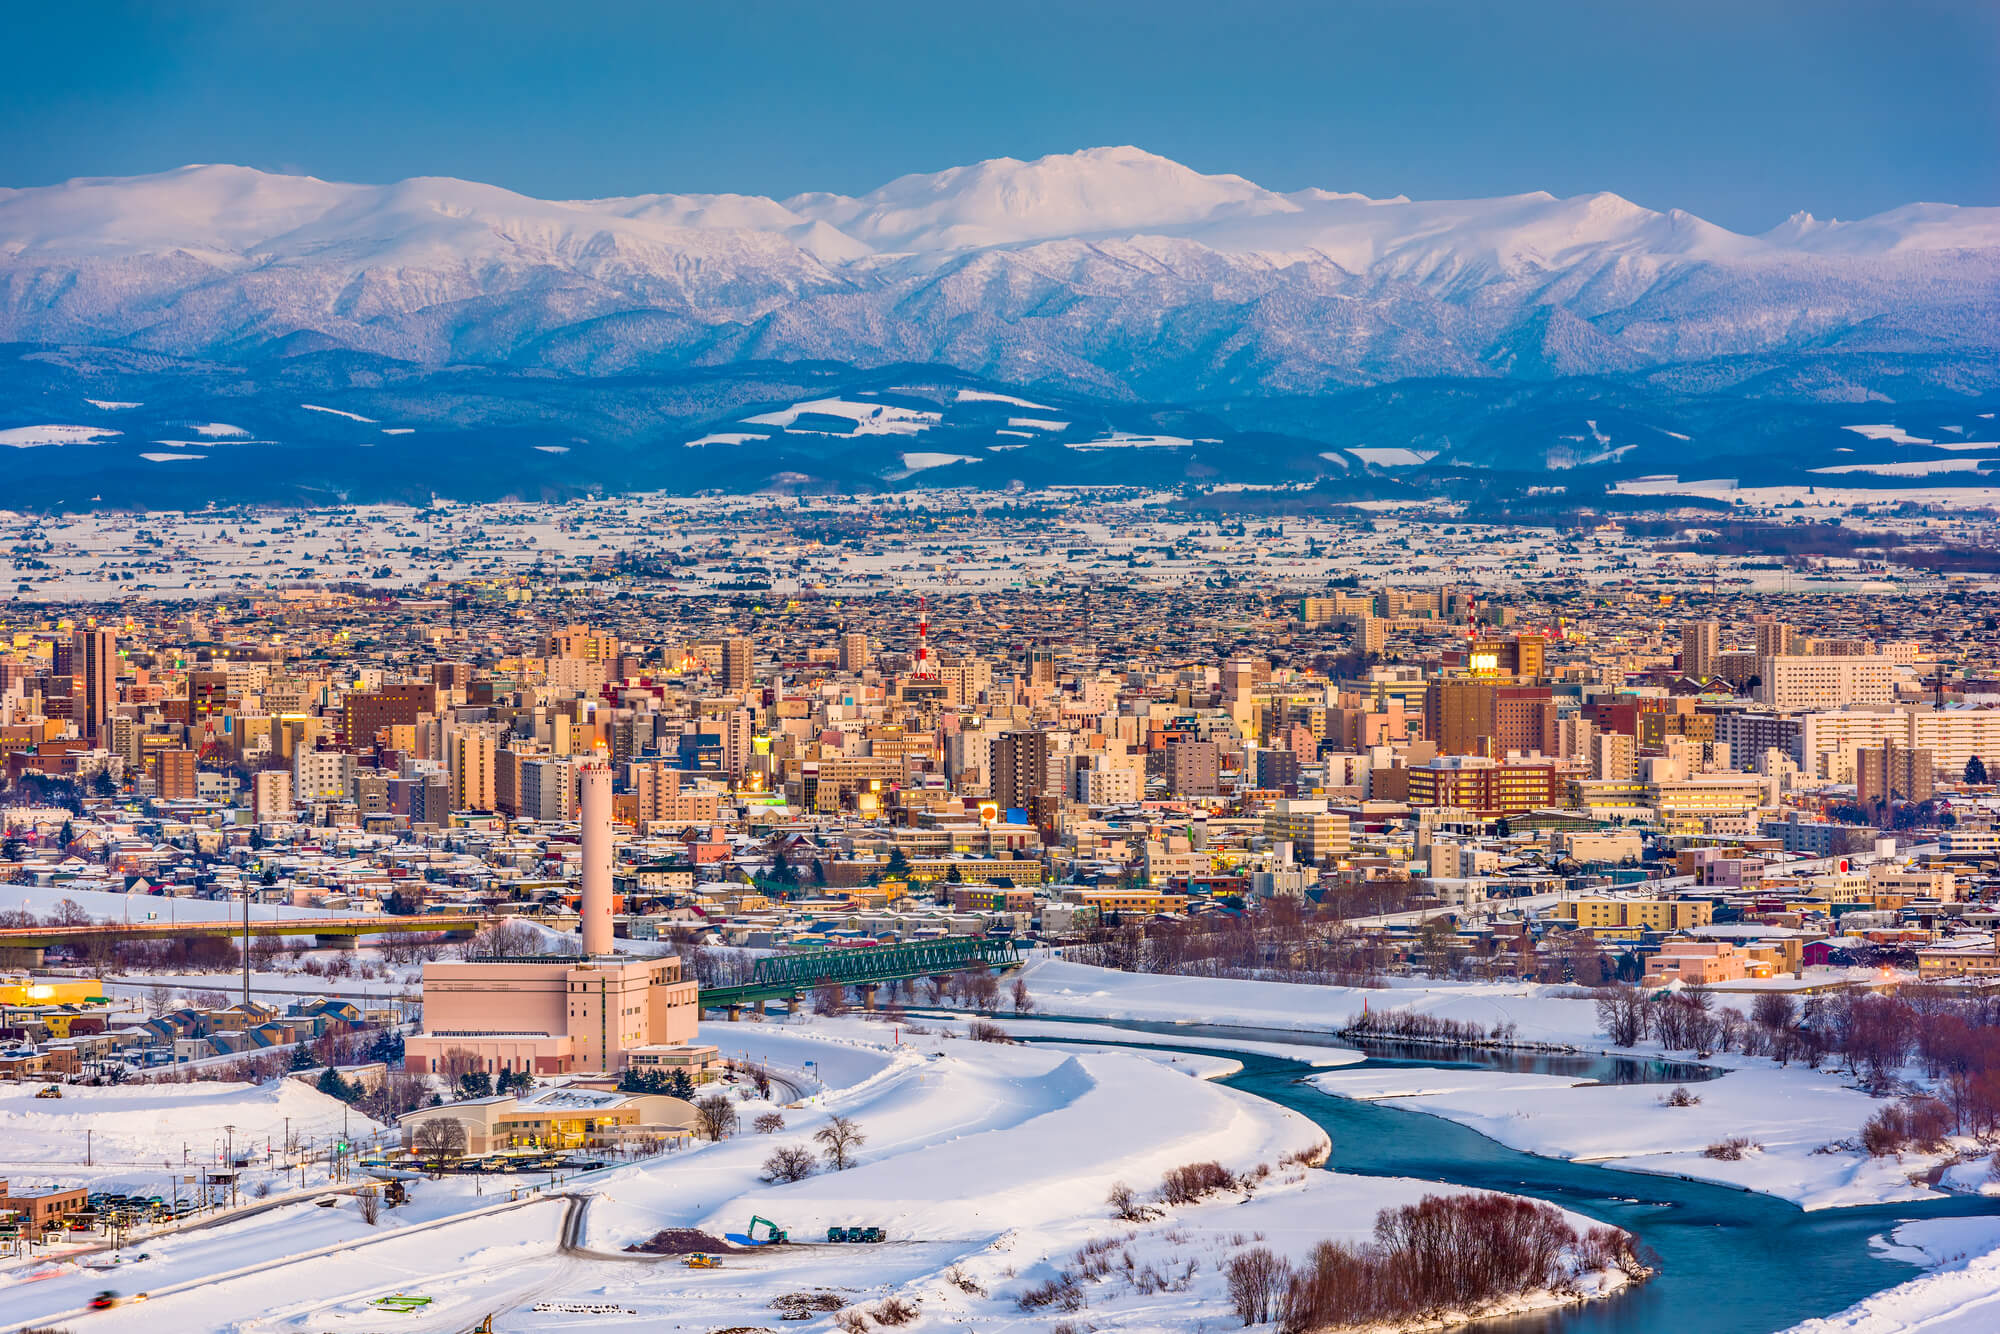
x=1060 y=987
x=1075 y=1036
x=1961 y=1298
x=1790 y=1112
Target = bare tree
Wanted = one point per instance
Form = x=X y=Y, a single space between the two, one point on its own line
x=716 y=1115
x=1257 y=1280
x=439 y=1142
x=1623 y=1015
x=1773 y=1010
x=70 y=913
x=370 y=1203
x=840 y=1137
x=770 y=1123
x=1023 y=1002
x=788 y=1162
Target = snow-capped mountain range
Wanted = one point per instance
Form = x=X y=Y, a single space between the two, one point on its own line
x=1110 y=271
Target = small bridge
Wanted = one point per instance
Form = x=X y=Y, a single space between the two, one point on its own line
x=23 y=945
x=786 y=976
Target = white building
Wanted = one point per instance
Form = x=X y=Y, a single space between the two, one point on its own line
x=1792 y=682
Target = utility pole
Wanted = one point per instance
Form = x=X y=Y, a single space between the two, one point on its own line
x=246 y=951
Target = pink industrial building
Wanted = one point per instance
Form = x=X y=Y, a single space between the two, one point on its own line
x=555 y=1015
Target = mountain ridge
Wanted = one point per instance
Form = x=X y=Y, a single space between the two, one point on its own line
x=1111 y=271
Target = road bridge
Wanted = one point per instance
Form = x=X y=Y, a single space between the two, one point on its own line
x=23 y=946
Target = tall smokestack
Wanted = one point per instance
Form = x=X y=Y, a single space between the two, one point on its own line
x=595 y=813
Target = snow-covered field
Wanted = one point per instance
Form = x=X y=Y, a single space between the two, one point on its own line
x=135 y=1130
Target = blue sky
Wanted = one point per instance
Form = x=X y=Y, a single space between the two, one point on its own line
x=1741 y=112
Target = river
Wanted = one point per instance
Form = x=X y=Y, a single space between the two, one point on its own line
x=1732 y=1262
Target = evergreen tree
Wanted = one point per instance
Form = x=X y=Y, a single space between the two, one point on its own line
x=475 y=1084
x=331 y=1084
x=302 y=1058
x=681 y=1085
x=1975 y=770
x=899 y=864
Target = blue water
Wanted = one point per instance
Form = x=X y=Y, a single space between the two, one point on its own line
x=1732 y=1262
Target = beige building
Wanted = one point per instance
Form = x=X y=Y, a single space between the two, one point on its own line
x=469 y=759
x=562 y=1117
x=1647 y=914
x=1314 y=833
x=1795 y=683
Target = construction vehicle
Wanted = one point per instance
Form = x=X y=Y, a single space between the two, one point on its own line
x=856 y=1233
x=777 y=1236
x=701 y=1260
x=49 y=1091
x=484 y=1327
x=401 y=1303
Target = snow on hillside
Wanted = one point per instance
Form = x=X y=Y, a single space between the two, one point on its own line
x=1107 y=268
x=30 y=437
x=867 y=418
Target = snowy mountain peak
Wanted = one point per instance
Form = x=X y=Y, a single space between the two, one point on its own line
x=1004 y=201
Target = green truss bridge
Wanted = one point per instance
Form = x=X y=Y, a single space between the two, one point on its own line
x=785 y=976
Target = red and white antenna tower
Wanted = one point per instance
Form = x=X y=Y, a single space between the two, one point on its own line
x=925 y=669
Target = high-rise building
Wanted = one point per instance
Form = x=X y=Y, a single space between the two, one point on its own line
x=1021 y=765
x=548 y=791
x=471 y=761
x=1314 y=833
x=174 y=775
x=1775 y=639
x=1701 y=642
x=1485 y=718
x=321 y=775
x=736 y=664
x=1792 y=683
x=94 y=662
x=1194 y=769
x=853 y=652
x=363 y=713
x=1893 y=773
x=1519 y=656
x=1041 y=667
x=271 y=795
